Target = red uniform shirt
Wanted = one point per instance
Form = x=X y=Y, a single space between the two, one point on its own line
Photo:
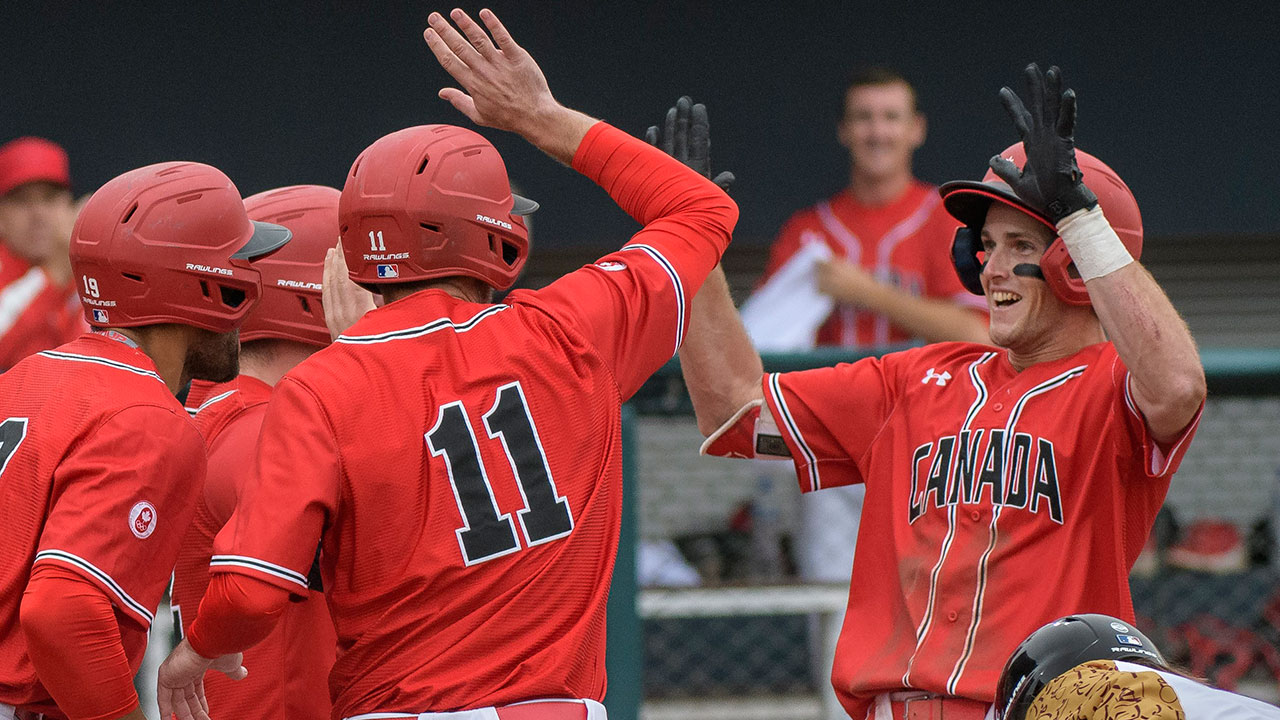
x=288 y=671
x=997 y=501
x=906 y=243
x=99 y=469
x=462 y=462
x=35 y=314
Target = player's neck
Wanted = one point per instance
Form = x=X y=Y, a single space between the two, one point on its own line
x=1074 y=335
x=881 y=190
x=463 y=288
x=269 y=364
x=166 y=345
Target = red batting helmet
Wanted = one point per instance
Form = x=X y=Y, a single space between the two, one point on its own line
x=968 y=202
x=432 y=201
x=169 y=243
x=290 y=305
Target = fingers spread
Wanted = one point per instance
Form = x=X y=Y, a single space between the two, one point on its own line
x=1005 y=169
x=682 y=129
x=1067 y=117
x=700 y=138
x=1017 y=111
x=1035 y=86
x=668 y=132
x=651 y=135
x=448 y=60
x=501 y=37
x=463 y=102
x=474 y=33
x=460 y=46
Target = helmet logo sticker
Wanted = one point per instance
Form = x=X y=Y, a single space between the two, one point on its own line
x=100 y=316
x=1129 y=640
x=142 y=519
x=611 y=266
x=298 y=284
x=493 y=221
x=1119 y=627
x=389 y=271
x=211 y=269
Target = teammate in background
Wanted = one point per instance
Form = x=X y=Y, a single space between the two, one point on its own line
x=39 y=308
x=987 y=470
x=887 y=231
x=1097 y=667
x=99 y=465
x=290 y=668
x=458 y=461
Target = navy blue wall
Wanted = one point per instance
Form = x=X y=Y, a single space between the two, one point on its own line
x=1182 y=101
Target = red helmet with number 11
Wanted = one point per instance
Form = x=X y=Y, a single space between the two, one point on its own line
x=968 y=202
x=169 y=243
x=429 y=202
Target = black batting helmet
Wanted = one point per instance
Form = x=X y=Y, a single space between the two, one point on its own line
x=1060 y=646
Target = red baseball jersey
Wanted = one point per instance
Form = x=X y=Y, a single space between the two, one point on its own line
x=99 y=471
x=906 y=243
x=997 y=501
x=462 y=462
x=288 y=671
x=35 y=313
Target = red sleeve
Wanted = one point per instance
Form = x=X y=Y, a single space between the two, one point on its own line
x=633 y=304
x=73 y=640
x=1159 y=460
x=829 y=417
x=230 y=456
x=237 y=612
x=121 y=504
x=290 y=493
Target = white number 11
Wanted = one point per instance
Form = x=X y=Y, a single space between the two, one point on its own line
x=375 y=241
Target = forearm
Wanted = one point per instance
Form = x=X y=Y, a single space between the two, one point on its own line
x=930 y=319
x=237 y=612
x=720 y=365
x=557 y=131
x=1167 y=377
x=73 y=640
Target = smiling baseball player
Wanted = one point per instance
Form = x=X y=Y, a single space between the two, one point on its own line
x=989 y=470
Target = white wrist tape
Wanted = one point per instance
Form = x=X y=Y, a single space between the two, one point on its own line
x=1094 y=246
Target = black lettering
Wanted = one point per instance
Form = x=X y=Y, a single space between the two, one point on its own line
x=916 y=505
x=1017 y=486
x=1046 y=486
x=939 y=472
x=992 y=469
x=966 y=458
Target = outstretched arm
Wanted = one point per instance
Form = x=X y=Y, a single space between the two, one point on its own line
x=721 y=367
x=503 y=87
x=1166 y=376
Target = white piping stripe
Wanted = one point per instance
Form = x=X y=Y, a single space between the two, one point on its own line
x=675 y=280
x=77 y=561
x=17 y=297
x=889 y=242
x=419 y=331
x=852 y=245
x=1159 y=459
x=213 y=400
x=261 y=566
x=980 y=399
x=979 y=596
x=99 y=361
x=775 y=386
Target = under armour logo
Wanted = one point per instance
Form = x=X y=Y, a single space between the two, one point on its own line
x=941 y=377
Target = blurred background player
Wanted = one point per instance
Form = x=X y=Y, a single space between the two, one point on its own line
x=459 y=461
x=99 y=465
x=289 y=670
x=1098 y=667
x=39 y=308
x=987 y=470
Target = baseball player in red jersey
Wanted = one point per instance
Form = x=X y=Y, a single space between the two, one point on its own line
x=289 y=669
x=459 y=461
x=39 y=308
x=1005 y=487
x=99 y=465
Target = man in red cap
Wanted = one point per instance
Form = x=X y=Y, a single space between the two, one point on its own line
x=38 y=304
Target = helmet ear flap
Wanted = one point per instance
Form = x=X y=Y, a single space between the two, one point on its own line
x=1057 y=269
x=964 y=257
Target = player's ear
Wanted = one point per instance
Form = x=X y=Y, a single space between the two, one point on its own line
x=919 y=129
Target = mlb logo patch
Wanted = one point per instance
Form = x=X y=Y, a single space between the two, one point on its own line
x=99 y=316
x=389 y=271
x=1132 y=640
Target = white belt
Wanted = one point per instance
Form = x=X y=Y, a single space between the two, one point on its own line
x=595 y=711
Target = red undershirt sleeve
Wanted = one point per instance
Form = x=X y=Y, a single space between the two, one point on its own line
x=243 y=609
x=73 y=639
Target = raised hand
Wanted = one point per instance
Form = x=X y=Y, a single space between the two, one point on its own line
x=502 y=85
x=686 y=136
x=344 y=301
x=1050 y=181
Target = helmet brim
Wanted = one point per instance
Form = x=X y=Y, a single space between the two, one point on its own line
x=969 y=200
x=522 y=205
x=266 y=238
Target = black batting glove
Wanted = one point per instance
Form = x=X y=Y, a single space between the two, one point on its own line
x=686 y=136
x=1051 y=180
